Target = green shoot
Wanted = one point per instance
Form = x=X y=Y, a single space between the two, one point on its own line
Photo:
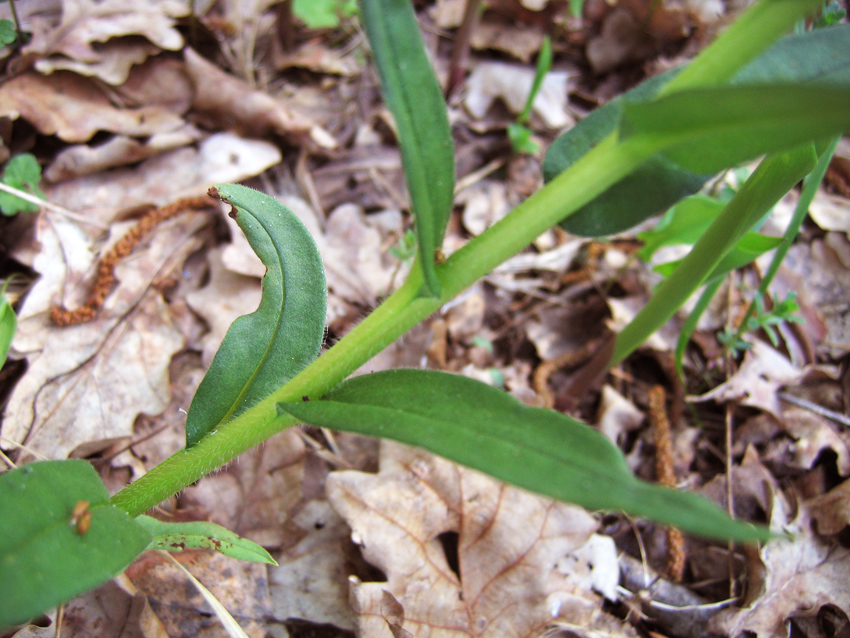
x=518 y=133
x=23 y=173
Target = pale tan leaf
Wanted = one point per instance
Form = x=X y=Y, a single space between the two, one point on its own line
x=523 y=561
x=799 y=576
x=86 y=384
x=74 y=108
x=92 y=37
x=227 y=102
x=310 y=581
x=831 y=510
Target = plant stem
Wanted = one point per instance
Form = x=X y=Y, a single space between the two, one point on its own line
x=596 y=171
x=752 y=33
x=775 y=176
x=810 y=189
x=400 y=312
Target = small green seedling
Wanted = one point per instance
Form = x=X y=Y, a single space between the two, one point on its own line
x=10 y=30
x=8 y=34
x=324 y=14
x=23 y=173
x=782 y=312
x=518 y=133
x=749 y=94
x=405 y=248
x=8 y=324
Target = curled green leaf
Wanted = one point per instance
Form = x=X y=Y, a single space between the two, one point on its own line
x=263 y=350
x=175 y=537
x=487 y=429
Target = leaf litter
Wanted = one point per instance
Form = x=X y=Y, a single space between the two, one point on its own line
x=404 y=543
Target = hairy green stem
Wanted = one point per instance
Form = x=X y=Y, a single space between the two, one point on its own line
x=401 y=311
x=602 y=167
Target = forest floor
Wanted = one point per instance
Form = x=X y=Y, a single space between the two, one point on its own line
x=132 y=106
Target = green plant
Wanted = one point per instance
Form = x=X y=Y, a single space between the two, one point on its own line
x=518 y=133
x=8 y=324
x=22 y=173
x=324 y=14
x=678 y=132
x=10 y=30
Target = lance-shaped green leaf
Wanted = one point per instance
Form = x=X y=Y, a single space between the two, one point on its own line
x=707 y=130
x=682 y=224
x=413 y=95
x=59 y=537
x=802 y=59
x=175 y=537
x=488 y=430
x=265 y=349
x=749 y=248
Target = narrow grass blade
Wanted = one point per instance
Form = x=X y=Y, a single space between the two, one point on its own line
x=265 y=349
x=59 y=537
x=488 y=430
x=775 y=176
x=175 y=537
x=413 y=95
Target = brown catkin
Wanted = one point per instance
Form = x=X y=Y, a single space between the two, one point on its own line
x=105 y=279
x=666 y=476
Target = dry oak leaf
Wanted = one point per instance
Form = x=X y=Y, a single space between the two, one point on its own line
x=75 y=108
x=763 y=372
x=86 y=384
x=800 y=575
x=100 y=38
x=523 y=562
x=225 y=101
x=241 y=586
x=831 y=510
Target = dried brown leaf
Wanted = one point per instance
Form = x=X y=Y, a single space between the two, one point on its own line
x=92 y=38
x=81 y=159
x=75 y=108
x=311 y=581
x=225 y=102
x=831 y=511
x=523 y=562
x=799 y=576
x=86 y=384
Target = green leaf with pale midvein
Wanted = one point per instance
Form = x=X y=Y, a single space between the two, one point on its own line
x=803 y=59
x=413 y=95
x=175 y=537
x=486 y=429
x=44 y=558
x=707 y=130
x=265 y=349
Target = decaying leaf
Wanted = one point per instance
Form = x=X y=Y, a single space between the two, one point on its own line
x=831 y=511
x=512 y=84
x=227 y=102
x=74 y=108
x=762 y=373
x=87 y=383
x=310 y=582
x=101 y=38
x=800 y=576
x=467 y=556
